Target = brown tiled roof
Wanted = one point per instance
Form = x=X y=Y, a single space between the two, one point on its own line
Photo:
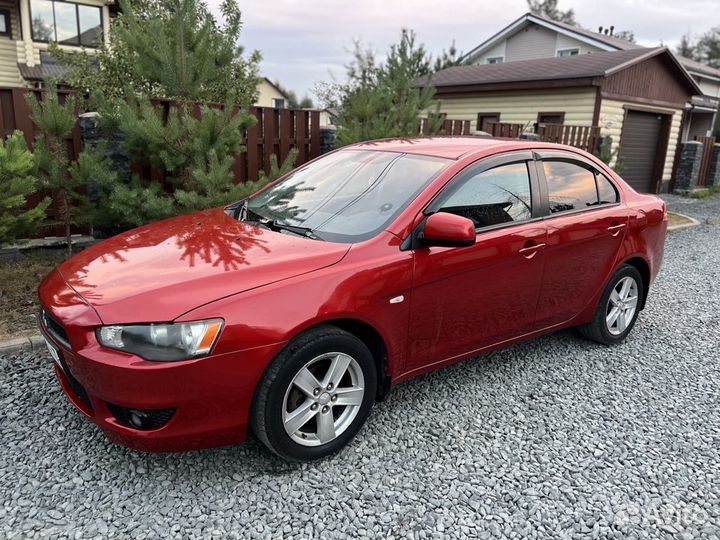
x=40 y=72
x=541 y=69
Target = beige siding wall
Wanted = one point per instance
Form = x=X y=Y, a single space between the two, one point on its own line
x=523 y=106
x=708 y=86
x=9 y=74
x=567 y=42
x=612 y=114
x=266 y=93
x=531 y=42
x=498 y=50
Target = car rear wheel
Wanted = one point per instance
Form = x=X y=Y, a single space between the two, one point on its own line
x=618 y=308
x=315 y=395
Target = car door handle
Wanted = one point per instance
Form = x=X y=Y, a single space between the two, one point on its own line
x=530 y=251
x=614 y=230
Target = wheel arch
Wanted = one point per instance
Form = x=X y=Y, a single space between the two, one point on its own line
x=642 y=266
x=371 y=338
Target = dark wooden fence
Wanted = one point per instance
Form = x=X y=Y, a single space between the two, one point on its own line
x=584 y=137
x=276 y=132
x=707 y=154
x=450 y=127
x=505 y=129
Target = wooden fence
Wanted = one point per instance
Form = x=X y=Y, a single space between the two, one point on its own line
x=450 y=127
x=707 y=154
x=276 y=132
x=505 y=129
x=584 y=137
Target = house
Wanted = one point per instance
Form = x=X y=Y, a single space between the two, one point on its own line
x=269 y=95
x=538 y=73
x=28 y=26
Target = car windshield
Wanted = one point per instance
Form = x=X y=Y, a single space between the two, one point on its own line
x=347 y=196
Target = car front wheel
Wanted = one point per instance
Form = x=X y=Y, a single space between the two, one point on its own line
x=316 y=395
x=618 y=309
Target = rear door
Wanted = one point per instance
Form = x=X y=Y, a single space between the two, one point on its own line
x=586 y=225
x=468 y=298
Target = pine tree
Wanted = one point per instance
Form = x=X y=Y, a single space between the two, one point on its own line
x=172 y=49
x=17 y=183
x=65 y=180
x=381 y=99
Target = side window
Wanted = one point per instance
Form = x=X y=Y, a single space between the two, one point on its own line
x=494 y=196
x=570 y=186
x=606 y=190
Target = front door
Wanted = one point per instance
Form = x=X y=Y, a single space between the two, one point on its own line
x=586 y=228
x=465 y=299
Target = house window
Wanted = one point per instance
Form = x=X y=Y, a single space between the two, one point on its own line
x=484 y=119
x=4 y=23
x=495 y=60
x=568 y=52
x=551 y=118
x=67 y=23
x=278 y=103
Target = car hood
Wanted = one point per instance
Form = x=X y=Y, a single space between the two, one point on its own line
x=160 y=271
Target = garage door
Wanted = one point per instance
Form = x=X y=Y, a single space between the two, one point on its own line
x=639 y=147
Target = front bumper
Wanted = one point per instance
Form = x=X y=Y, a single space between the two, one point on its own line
x=210 y=398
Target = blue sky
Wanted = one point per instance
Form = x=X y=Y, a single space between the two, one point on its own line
x=304 y=41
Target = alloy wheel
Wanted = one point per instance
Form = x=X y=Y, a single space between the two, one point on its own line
x=622 y=305
x=323 y=399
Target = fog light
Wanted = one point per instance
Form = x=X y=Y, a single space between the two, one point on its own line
x=137 y=419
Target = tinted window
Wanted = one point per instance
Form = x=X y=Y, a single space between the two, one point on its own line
x=498 y=195
x=66 y=27
x=570 y=186
x=606 y=190
x=43 y=20
x=90 y=25
x=347 y=196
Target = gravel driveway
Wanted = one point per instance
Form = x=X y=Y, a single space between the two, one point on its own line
x=558 y=437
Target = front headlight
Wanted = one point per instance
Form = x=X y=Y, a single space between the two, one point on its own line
x=162 y=342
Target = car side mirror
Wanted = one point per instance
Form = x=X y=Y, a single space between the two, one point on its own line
x=448 y=230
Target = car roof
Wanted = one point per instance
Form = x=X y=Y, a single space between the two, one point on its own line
x=469 y=147
x=450 y=147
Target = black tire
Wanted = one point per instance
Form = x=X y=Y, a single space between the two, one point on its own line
x=597 y=329
x=269 y=402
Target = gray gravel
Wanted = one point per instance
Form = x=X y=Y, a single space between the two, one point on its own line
x=554 y=438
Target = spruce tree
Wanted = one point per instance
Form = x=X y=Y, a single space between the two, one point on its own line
x=17 y=183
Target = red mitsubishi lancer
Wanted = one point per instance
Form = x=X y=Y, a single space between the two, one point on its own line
x=290 y=313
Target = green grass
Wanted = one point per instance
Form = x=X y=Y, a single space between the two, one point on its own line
x=705 y=193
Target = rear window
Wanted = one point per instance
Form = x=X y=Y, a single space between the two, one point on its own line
x=570 y=186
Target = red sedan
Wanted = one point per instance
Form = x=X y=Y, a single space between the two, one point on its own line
x=290 y=313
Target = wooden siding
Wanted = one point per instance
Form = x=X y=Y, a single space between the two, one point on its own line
x=522 y=107
x=9 y=73
x=654 y=79
x=612 y=116
x=567 y=42
x=531 y=42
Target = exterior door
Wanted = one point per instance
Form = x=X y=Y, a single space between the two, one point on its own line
x=467 y=298
x=585 y=229
x=639 y=148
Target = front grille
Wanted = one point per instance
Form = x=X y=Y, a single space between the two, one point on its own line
x=78 y=388
x=142 y=419
x=56 y=330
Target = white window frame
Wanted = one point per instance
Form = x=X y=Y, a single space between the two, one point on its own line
x=567 y=49
x=498 y=60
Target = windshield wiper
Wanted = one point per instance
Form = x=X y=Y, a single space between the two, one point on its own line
x=242 y=212
x=296 y=229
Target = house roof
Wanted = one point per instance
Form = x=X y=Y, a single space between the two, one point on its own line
x=602 y=41
x=40 y=72
x=585 y=66
x=275 y=86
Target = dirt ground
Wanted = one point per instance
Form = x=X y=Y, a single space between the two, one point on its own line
x=18 y=293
